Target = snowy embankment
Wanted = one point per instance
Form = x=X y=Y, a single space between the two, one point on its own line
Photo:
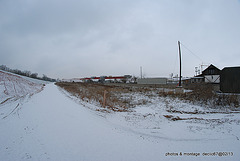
x=50 y=126
x=15 y=90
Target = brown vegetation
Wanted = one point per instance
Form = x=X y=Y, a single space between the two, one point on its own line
x=205 y=94
x=121 y=98
x=95 y=92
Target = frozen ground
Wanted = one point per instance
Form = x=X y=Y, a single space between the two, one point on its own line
x=15 y=90
x=50 y=126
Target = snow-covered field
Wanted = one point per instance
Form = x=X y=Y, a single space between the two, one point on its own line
x=54 y=125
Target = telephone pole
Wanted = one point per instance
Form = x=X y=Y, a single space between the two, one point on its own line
x=180 y=75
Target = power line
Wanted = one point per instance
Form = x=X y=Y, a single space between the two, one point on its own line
x=192 y=52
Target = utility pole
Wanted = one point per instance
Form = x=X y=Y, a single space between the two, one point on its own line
x=141 y=72
x=180 y=75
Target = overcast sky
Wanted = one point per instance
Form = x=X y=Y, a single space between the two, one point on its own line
x=80 y=38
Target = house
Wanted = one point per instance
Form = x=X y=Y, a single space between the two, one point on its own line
x=211 y=74
x=230 y=80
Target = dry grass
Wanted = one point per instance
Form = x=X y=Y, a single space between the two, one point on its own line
x=122 y=98
x=95 y=92
x=204 y=94
x=176 y=118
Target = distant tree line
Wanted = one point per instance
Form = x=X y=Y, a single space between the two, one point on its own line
x=27 y=73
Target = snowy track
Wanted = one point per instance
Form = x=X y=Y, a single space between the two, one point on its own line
x=15 y=91
x=50 y=126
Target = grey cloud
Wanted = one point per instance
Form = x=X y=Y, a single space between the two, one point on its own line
x=78 y=38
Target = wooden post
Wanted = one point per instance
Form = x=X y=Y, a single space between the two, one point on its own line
x=104 y=98
x=180 y=76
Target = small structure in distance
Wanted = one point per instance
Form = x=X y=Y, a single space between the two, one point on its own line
x=102 y=79
x=152 y=81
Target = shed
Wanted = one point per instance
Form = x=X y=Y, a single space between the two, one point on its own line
x=197 y=79
x=230 y=80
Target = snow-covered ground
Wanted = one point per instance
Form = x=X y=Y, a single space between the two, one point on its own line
x=15 y=90
x=50 y=126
